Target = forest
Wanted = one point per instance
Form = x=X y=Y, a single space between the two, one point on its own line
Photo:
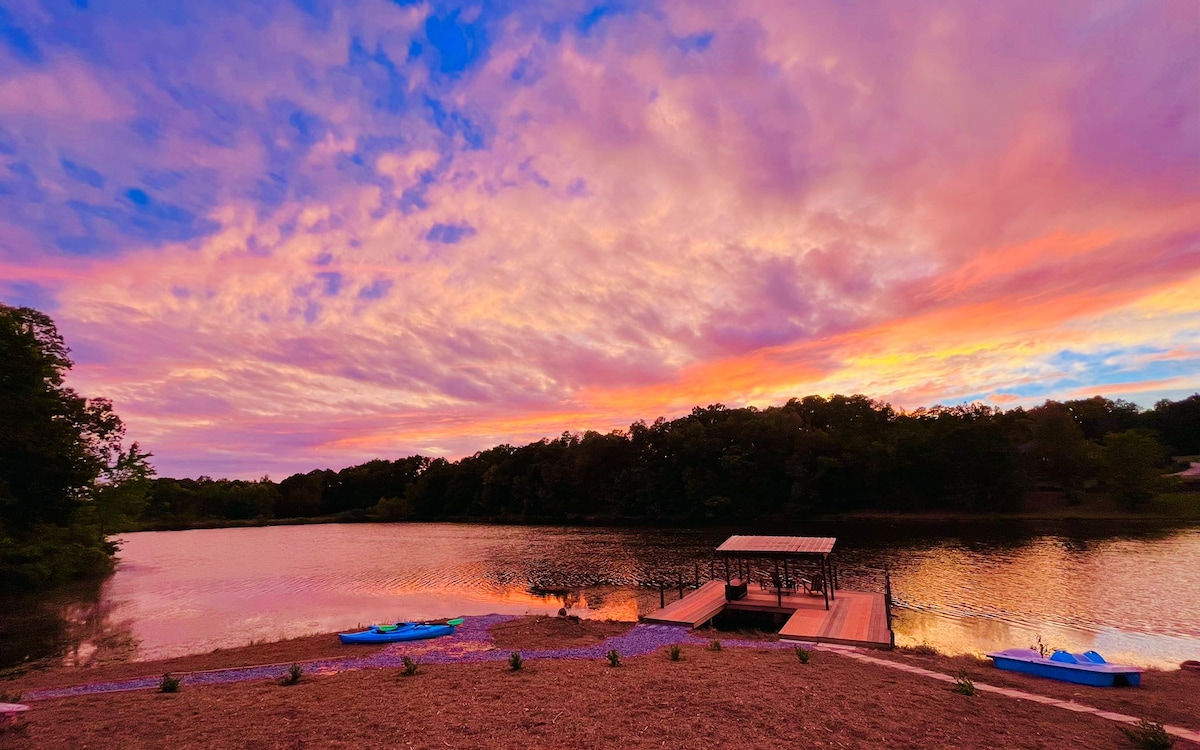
x=68 y=482
x=811 y=456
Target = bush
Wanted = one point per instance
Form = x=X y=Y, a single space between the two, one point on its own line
x=963 y=684
x=1149 y=735
x=922 y=649
x=614 y=659
x=803 y=654
x=410 y=666
x=675 y=652
x=169 y=684
x=515 y=662
x=293 y=675
x=714 y=646
x=1044 y=649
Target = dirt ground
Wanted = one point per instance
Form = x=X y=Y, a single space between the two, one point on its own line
x=1168 y=697
x=531 y=633
x=733 y=698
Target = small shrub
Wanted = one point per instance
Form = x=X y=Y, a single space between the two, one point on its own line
x=803 y=654
x=1149 y=735
x=675 y=652
x=963 y=684
x=714 y=646
x=293 y=675
x=923 y=649
x=169 y=684
x=515 y=662
x=1044 y=649
x=614 y=659
x=410 y=666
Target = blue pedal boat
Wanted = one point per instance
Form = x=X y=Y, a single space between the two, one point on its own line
x=1088 y=668
x=402 y=631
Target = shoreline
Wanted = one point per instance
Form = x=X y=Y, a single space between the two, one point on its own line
x=701 y=680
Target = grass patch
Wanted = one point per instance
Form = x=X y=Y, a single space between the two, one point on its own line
x=515 y=661
x=963 y=684
x=169 y=684
x=293 y=675
x=921 y=649
x=410 y=666
x=714 y=645
x=803 y=654
x=674 y=652
x=614 y=659
x=1149 y=735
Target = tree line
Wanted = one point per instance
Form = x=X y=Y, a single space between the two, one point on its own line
x=67 y=480
x=810 y=456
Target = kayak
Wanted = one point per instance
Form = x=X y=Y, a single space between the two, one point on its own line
x=402 y=631
x=1088 y=668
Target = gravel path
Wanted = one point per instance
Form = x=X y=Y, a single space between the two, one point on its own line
x=471 y=642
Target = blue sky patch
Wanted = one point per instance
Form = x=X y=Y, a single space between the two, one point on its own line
x=450 y=234
x=377 y=289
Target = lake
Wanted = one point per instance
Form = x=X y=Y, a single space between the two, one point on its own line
x=1131 y=593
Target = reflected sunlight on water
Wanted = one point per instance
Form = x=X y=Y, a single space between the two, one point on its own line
x=966 y=590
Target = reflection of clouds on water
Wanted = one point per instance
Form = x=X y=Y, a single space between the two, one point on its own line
x=968 y=589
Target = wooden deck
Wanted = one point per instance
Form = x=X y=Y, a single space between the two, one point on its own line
x=695 y=609
x=856 y=618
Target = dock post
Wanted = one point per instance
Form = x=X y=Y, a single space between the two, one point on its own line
x=662 y=594
x=887 y=600
x=697 y=575
x=681 y=585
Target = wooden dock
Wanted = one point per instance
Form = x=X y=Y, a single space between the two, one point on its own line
x=857 y=618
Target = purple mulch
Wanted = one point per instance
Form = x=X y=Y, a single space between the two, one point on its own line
x=471 y=642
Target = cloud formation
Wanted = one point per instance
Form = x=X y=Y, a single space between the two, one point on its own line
x=291 y=235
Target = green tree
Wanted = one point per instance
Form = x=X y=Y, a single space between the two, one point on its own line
x=55 y=449
x=1133 y=466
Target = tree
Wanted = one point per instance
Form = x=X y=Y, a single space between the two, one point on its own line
x=1133 y=466
x=54 y=447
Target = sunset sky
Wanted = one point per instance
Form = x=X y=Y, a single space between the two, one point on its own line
x=287 y=235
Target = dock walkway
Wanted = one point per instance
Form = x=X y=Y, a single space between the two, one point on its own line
x=855 y=618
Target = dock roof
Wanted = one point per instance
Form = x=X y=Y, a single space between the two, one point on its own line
x=777 y=545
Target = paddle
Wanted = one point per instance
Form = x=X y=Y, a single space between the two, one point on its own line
x=455 y=622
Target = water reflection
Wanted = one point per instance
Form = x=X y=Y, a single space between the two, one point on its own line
x=959 y=587
x=76 y=625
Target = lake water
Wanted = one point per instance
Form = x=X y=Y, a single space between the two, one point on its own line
x=1132 y=595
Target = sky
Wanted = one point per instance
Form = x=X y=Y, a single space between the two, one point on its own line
x=284 y=235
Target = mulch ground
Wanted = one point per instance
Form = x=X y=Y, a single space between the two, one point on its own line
x=531 y=633
x=739 y=697
x=1167 y=697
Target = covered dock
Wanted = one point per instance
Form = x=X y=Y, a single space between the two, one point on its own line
x=799 y=580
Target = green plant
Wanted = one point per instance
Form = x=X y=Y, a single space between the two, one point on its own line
x=923 y=649
x=1149 y=735
x=803 y=654
x=714 y=646
x=614 y=659
x=963 y=684
x=410 y=666
x=293 y=675
x=675 y=652
x=515 y=661
x=169 y=684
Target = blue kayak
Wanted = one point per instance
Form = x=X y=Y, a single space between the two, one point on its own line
x=401 y=631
